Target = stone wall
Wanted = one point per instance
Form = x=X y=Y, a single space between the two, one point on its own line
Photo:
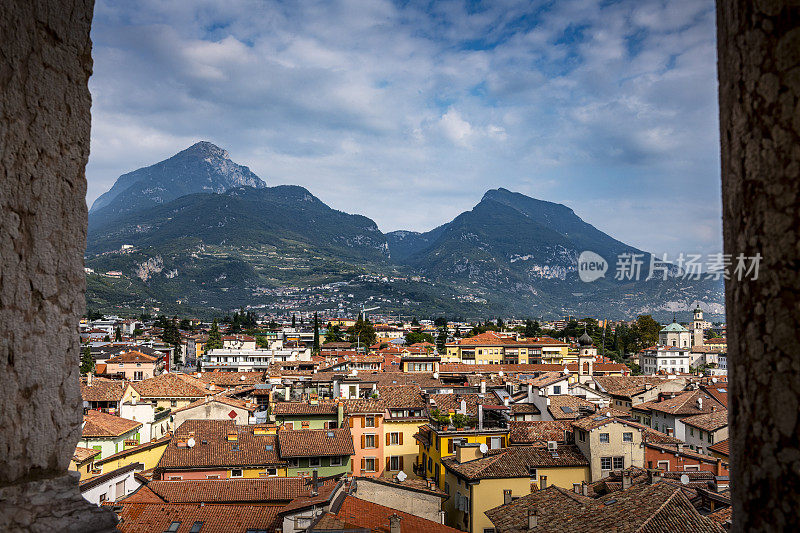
x=45 y=63
x=759 y=74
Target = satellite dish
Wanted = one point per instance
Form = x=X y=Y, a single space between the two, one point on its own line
x=241 y=378
x=484 y=448
x=685 y=479
x=714 y=380
x=401 y=476
x=190 y=443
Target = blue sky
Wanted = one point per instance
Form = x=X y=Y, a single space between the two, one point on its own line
x=407 y=112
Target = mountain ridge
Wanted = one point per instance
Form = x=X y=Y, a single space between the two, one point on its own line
x=244 y=245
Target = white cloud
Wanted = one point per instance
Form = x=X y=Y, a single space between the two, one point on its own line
x=407 y=112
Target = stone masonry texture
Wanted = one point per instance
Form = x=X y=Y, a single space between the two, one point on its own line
x=45 y=64
x=759 y=77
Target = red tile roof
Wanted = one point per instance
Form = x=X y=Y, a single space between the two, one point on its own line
x=262 y=490
x=103 y=425
x=722 y=447
x=171 y=386
x=248 y=449
x=537 y=431
x=515 y=462
x=315 y=442
x=374 y=517
x=216 y=518
x=132 y=356
x=102 y=390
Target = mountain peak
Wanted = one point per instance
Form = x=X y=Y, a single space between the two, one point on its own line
x=207 y=148
x=202 y=167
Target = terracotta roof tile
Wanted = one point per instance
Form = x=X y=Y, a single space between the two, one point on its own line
x=315 y=442
x=709 y=421
x=375 y=517
x=102 y=390
x=516 y=461
x=568 y=407
x=248 y=449
x=98 y=424
x=171 y=386
x=132 y=356
x=304 y=408
x=262 y=490
x=84 y=454
x=150 y=517
x=722 y=447
x=537 y=431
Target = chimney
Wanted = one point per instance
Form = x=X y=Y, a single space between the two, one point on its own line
x=505 y=401
x=314 y=483
x=480 y=417
x=718 y=467
x=89 y=379
x=463 y=409
x=700 y=403
x=394 y=524
x=626 y=480
x=585 y=489
x=339 y=414
x=533 y=518
x=576 y=488
x=679 y=446
x=506 y=496
x=483 y=386
x=530 y=393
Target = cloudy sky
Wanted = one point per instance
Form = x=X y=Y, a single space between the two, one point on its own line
x=407 y=112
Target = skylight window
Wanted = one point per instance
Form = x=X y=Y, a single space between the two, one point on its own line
x=173 y=527
x=196 y=527
x=566 y=409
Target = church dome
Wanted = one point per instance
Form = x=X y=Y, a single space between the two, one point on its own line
x=585 y=340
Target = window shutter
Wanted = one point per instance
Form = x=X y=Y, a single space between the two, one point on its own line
x=363 y=421
x=388 y=439
x=363 y=441
x=363 y=464
x=326 y=425
x=503 y=441
x=401 y=460
x=449 y=445
x=289 y=425
x=350 y=421
x=388 y=465
x=401 y=438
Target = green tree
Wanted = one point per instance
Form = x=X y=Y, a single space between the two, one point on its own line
x=532 y=329
x=440 y=322
x=262 y=341
x=137 y=332
x=106 y=339
x=441 y=340
x=294 y=321
x=87 y=361
x=500 y=324
x=413 y=337
x=117 y=334
x=414 y=321
x=172 y=335
x=315 y=347
x=186 y=324
x=363 y=332
x=648 y=330
x=334 y=334
x=214 y=337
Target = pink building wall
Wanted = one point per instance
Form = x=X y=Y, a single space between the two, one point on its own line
x=357 y=429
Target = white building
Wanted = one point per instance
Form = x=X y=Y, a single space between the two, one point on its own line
x=675 y=335
x=669 y=359
x=241 y=360
x=111 y=486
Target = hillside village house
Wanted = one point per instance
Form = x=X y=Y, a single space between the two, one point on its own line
x=108 y=433
x=148 y=454
x=665 y=414
x=702 y=431
x=216 y=449
x=665 y=360
x=610 y=444
x=328 y=452
x=83 y=461
x=675 y=335
x=134 y=365
x=495 y=348
x=476 y=481
x=218 y=407
x=169 y=391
